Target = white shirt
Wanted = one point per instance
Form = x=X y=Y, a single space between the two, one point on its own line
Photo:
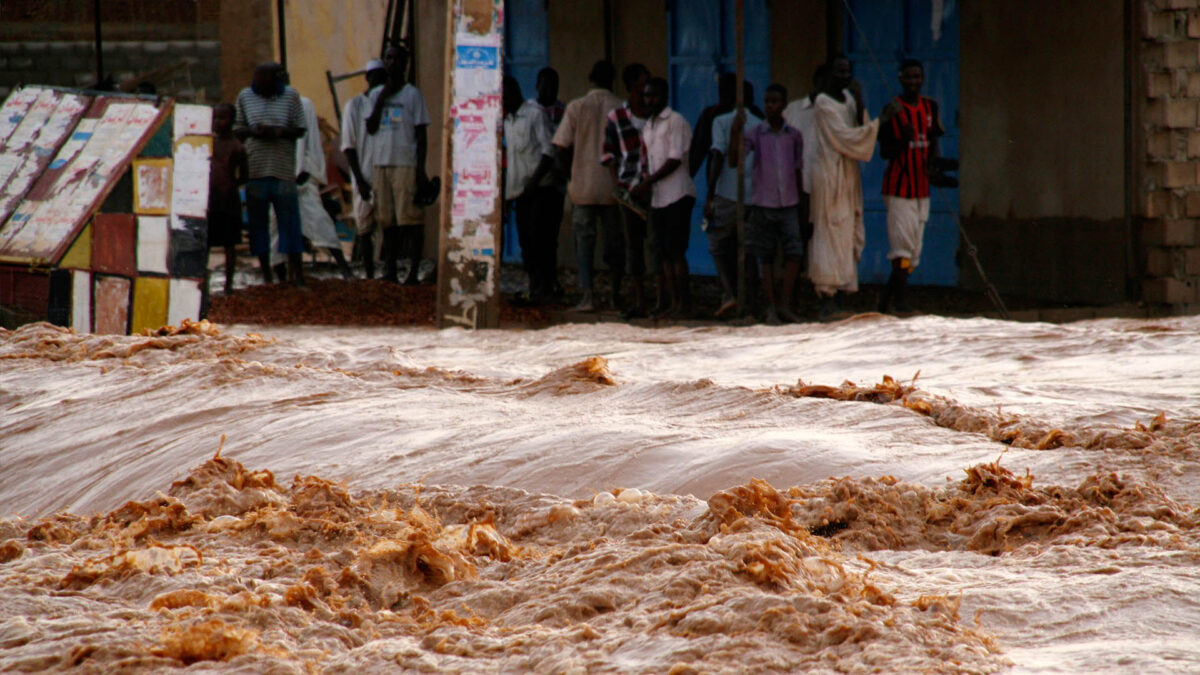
x=397 y=134
x=527 y=138
x=727 y=180
x=354 y=132
x=801 y=114
x=667 y=136
x=310 y=154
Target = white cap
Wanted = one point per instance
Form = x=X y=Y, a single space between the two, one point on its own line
x=374 y=64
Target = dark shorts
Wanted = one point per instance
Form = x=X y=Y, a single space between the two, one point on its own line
x=672 y=228
x=224 y=229
x=768 y=228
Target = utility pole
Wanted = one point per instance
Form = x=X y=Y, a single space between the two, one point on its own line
x=740 y=208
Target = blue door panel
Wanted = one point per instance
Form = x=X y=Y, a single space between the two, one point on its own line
x=526 y=51
x=704 y=44
x=896 y=30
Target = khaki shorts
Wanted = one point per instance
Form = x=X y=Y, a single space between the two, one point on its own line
x=394 y=188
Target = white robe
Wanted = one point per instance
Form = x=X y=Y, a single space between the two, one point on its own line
x=837 y=198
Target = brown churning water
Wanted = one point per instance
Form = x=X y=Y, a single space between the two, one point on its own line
x=603 y=498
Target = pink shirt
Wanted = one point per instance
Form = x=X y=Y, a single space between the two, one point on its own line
x=667 y=136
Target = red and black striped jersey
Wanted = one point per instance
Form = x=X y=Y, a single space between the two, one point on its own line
x=907 y=170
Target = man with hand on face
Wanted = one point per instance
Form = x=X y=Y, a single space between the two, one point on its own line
x=909 y=128
x=398 y=120
x=359 y=148
x=837 y=198
x=671 y=190
x=268 y=121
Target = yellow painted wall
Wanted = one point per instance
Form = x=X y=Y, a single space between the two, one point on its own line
x=79 y=256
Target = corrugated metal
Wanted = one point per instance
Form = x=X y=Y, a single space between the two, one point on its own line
x=28 y=290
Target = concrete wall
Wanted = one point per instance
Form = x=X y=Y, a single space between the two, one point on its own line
x=1043 y=146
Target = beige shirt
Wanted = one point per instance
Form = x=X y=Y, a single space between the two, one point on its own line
x=667 y=136
x=583 y=129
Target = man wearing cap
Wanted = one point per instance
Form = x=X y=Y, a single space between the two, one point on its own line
x=397 y=120
x=359 y=148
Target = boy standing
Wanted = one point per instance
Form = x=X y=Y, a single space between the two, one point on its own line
x=671 y=190
x=227 y=172
x=778 y=183
x=909 y=128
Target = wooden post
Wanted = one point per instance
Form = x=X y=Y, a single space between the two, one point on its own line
x=740 y=208
x=469 y=233
x=279 y=10
x=99 y=48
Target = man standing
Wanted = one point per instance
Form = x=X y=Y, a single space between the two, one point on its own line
x=582 y=134
x=269 y=119
x=398 y=120
x=315 y=222
x=359 y=148
x=530 y=188
x=623 y=156
x=549 y=211
x=778 y=183
x=720 y=204
x=801 y=114
x=909 y=128
x=667 y=181
x=837 y=199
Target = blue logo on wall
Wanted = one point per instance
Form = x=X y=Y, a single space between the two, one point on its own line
x=474 y=56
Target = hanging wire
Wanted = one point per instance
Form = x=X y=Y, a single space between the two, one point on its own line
x=971 y=250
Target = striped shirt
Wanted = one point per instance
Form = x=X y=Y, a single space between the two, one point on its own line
x=623 y=144
x=907 y=171
x=274 y=157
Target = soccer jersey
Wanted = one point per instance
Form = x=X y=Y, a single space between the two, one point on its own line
x=907 y=172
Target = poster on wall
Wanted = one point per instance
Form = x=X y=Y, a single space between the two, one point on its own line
x=470 y=226
x=152 y=186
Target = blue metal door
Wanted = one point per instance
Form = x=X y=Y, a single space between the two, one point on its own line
x=893 y=31
x=703 y=43
x=526 y=51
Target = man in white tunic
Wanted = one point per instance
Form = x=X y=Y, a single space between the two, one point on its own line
x=837 y=199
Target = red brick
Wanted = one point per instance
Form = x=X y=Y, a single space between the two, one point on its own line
x=1157 y=25
x=1177 y=4
x=1161 y=84
x=1178 y=174
x=1160 y=262
x=1191 y=261
x=1193 y=24
x=1193 y=143
x=1185 y=54
x=1169 y=232
x=1168 y=292
x=1173 y=113
x=1159 y=204
x=1161 y=144
x=1191 y=206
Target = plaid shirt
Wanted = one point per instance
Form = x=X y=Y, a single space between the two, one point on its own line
x=620 y=135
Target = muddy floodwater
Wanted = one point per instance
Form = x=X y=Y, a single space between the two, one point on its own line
x=874 y=495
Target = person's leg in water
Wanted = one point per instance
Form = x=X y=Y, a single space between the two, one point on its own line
x=287 y=216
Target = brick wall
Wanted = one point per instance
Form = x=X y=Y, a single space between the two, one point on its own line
x=1169 y=207
x=186 y=69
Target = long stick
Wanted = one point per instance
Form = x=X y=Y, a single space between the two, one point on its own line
x=99 y=47
x=739 y=207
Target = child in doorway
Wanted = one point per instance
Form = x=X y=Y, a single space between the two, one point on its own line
x=227 y=171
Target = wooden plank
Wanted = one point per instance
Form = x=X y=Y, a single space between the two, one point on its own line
x=45 y=224
x=469 y=237
x=149 y=304
x=111 y=305
x=81 y=301
x=186 y=300
x=114 y=243
x=153 y=244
